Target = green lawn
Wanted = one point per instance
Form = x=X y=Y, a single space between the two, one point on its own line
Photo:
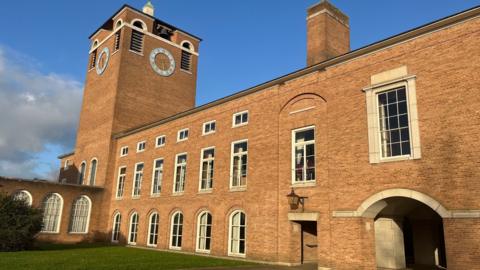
x=89 y=257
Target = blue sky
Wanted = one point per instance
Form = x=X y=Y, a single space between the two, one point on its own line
x=44 y=52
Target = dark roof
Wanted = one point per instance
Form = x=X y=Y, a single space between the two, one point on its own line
x=418 y=31
x=108 y=22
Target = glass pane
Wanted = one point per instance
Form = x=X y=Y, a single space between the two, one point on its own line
x=403 y=120
x=405 y=135
x=391 y=97
x=394 y=136
x=392 y=109
x=393 y=122
x=244 y=117
x=396 y=149
x=406 y=148
x=402 y=107
x=382 y=99
x=401 y=94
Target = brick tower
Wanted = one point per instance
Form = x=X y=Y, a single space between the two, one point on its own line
x=140 y=70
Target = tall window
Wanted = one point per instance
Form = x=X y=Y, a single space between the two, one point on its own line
x=137 y=181
x=122 y=172
x=93 y=171
x=239 y=164
x=52 y=212
x=186 y=59
x=136 y=42
x=117 y=219
x=117 y=35
x=153 y=230
x=204 y=232
x=93 y=55
x=176 y=231
x=393 y=119
x=80 y=215
x=133 y=229
x=23 y=195
x=206 y=175
x=180 y=173
x=157 y=176
x=303 y=155
x=81 y=173
x=237 y=236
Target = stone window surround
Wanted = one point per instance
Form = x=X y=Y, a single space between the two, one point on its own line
x=382 y=82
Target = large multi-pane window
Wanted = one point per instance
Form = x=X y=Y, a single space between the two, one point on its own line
x=237 y=235
x=180 y=173
x=157 y=176
x=93 y=171
x=137 y=181
x=176 y=231
x=122 y=172
x=239 y=164
x=133 y=229
x=52 y=211
x=207 y=165
x=303 y=155
x=153 y=229
x=81 y=173
x=23 y=195
x=117 y=219
x=80 y=215
x=393 y=120
x=204 y=232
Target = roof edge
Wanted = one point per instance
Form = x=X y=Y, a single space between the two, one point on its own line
x=65 y=155
x=393 y=40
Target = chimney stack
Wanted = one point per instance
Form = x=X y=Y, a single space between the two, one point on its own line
x=328 y=33
x=149 y=9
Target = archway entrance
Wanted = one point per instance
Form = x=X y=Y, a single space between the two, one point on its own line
x=408 y=235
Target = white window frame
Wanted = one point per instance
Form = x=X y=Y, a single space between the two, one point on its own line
x=384 y=82
x=175 y=174
x=114 y=226
x=171 y=246
x=144 y=146
x=164 y=141
x=130 y=224
x=122 y=150
x=230 y=227
x=294 y=144
x=156 y=234
x=209 y=123
x=154 y=170
x=232 y=155
x=118 y=182
x=185 y=138
x=242 y=123
x=60 y=212
x=66 y=164
x=81 y=175
x=140 y=181
x=94 y=174
x=26 y=194
x=87 y=217
x=199 y=225
x=201 y=169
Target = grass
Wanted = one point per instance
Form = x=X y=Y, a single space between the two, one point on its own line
x=90 y=257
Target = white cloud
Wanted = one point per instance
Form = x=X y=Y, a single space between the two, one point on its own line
x=36 y=109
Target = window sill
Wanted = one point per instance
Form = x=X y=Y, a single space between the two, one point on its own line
x=306 y=184
x=205 y=191
x=175 y=194
x=186 y=71
x=182 y=140
x=176 y=248
x=155 y=195
x=78 y=233
x=209 y=133
x=238 y=189
x=132 y=244
x=137 y=53
x=140 y=151
x=119 y=199
x=239 y=125
x=393 y=159
x=237 y=255
x=159 y=146
x=136 y=197
x=151 y=246
x=50 y=232
x=202 y=251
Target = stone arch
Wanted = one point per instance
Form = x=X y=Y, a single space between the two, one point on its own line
x=301 y=97
x=375 y=203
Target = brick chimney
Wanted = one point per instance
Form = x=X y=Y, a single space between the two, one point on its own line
x=328 y=32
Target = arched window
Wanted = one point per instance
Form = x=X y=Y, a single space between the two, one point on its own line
x=237 y=234
x=153 y=229
x=80 y=215
x=204 y=231
x=93 y=171
x=23 y=195
x=118 y=24
x=52 y=212
x=176 y=231
x=132 y=234
x=81 y=173
x=136 y=42
x=93 y=54
x=186 y=59
x=118 y=32
x=117 y=219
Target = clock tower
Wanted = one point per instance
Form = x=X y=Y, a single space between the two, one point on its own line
x=140 y=70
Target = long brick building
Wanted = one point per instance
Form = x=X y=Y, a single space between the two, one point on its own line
x=378 y=149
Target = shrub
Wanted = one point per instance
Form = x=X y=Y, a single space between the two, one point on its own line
x=19 y=223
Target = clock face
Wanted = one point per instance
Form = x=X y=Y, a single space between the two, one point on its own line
x=162 y=62
x=102 y=61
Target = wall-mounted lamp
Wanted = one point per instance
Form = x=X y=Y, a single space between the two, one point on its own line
x=294 y=200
